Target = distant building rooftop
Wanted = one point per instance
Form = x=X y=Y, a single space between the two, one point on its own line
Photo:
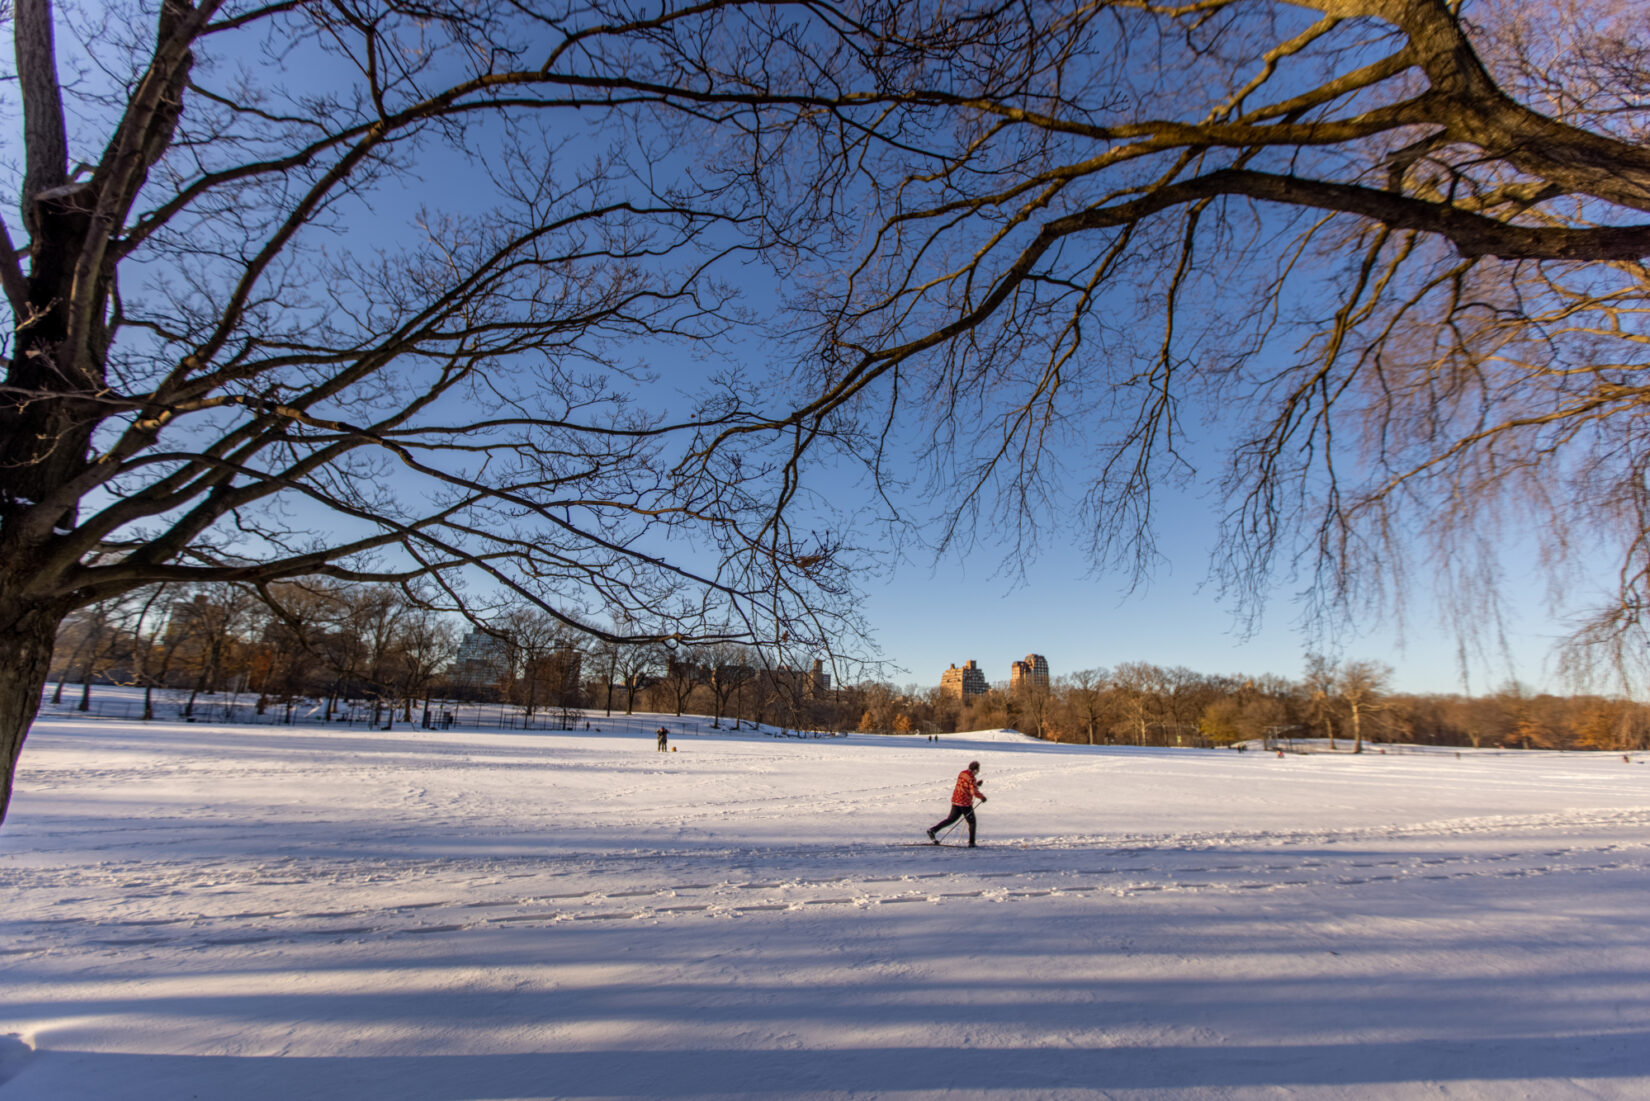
x=964 y=682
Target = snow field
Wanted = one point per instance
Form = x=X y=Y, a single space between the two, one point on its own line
x=190 y=910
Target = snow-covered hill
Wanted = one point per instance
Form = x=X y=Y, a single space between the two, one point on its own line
x=271 y=912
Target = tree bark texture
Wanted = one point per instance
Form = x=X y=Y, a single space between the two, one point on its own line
x=25 y=656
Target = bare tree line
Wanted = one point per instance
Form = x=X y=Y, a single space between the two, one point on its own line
x=322 y=641
x=1334 y=705
x=336 y=646
x=378 y=646
x=1394 y=246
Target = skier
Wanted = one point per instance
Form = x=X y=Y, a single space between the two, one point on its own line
x=664 y=736
x=962 y=802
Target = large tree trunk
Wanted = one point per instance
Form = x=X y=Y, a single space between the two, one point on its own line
x=25 y=659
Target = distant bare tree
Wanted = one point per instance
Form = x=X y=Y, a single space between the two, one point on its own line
x=84 y=641
x=530 y=637
x=682 y=674
x=638 y=667
x=1361 y=684
x=607 y=654
x=1034 y=703
x=213 y=622
x=728 y=668
x=1318 y=683
x=427 y=644
x=1140 y=688
x=1084 y=697
x=373 y=622
x=301 y=614
x=150 y=655
x=879 y=707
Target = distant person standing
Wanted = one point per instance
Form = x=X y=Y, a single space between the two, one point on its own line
x=664 y=736
x=962 y=802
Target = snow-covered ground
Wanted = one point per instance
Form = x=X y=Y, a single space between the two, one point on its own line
x=262 y=912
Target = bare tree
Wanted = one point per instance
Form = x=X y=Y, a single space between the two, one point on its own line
x=213 y=622
x=1322 y=674
x=879 y=707
x=308 y=617
x=1401 y=242
x=1522 y=716
x=1034 y=702
x=84 y=641
x=638 y=667
x=373 y=621
x=607 y=654
x=728 y=668
x=224 y=320
x=428 y=643
x=1084 y=697
x=682 y=674
x=150 y=654
x=1360 y=685
x=530 y=637
x=1141 y=689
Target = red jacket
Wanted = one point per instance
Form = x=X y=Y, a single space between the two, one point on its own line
x=967 y=788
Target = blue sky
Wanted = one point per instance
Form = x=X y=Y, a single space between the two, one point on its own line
x=929 y=612
x=926 y=618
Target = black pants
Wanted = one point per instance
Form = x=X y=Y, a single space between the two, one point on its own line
x=958 y=811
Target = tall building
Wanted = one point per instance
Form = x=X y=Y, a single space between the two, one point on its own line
x=482 y=658
x=1030 y=673
x=964 y=682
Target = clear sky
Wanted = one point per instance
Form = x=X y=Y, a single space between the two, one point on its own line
x=927 y=615
x=926 y=618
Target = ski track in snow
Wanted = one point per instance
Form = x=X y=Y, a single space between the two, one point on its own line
x=725 y=920
x=172 y=904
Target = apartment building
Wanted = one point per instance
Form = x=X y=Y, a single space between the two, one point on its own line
x=964 y=682
x=1028 y=674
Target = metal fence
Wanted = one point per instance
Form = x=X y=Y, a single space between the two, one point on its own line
x=172 y=707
